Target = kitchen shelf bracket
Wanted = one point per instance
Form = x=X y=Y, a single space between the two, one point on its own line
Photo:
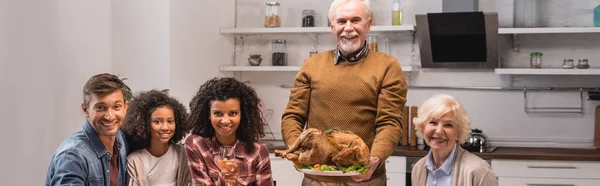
x=529 y=109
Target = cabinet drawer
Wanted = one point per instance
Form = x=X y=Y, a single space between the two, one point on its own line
x=396 y=164
x=396 y=179
x=546 y=182
x=546 y=169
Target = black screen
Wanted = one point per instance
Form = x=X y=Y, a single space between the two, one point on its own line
x=457 y=37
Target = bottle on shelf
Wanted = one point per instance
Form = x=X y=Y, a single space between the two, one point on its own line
x=397 y=12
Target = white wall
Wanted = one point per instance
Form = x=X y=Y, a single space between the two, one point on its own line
x=50 y=50
x=197 y=48
x=141 y=43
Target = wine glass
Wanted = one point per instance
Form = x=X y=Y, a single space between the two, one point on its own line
x=225 y=156
x=227 y=164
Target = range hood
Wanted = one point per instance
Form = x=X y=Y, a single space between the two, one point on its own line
x=458 y=39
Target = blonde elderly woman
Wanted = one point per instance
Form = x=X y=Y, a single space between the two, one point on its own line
x=443 y=122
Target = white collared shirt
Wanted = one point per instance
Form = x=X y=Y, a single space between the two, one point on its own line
x=443 y=175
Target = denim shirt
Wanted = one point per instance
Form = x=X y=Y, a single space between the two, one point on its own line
x=82 y=159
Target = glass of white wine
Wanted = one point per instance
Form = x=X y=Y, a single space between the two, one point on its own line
x=227 y=164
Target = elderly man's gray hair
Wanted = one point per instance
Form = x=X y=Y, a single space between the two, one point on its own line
x=338 y=3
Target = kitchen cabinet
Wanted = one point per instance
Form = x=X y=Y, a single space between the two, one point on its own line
x=549 y=30
x=396 y=179
x=396 y=170
x=284 y=172
x=541 y=173
x=547 y=182
x=551 y=71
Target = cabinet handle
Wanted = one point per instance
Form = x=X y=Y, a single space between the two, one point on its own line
x=387 y=161
x=534 y=184
x=551 y=167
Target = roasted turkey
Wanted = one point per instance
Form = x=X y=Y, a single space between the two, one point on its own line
x=332 y=147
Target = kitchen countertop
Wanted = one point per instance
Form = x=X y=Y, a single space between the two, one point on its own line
x=515 y=153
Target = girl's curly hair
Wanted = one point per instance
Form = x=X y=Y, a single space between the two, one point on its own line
x=251 y=127
x=137 y=120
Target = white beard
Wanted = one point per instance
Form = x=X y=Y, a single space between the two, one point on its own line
x=348 y=46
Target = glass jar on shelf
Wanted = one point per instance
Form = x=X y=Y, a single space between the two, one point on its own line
x=536 y=60
x=583 y=64
x=272 y=19
x=279 y=55
x=568 y=64
x=308 y=18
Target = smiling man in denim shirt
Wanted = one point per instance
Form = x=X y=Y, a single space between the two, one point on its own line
x=96 y=154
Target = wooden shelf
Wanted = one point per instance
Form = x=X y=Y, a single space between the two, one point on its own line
x=279 y=68
x=300 y=30
x=549 y=30
x=547 y=71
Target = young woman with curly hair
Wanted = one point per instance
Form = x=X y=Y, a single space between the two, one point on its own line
x=225 y=114
x=154 y=123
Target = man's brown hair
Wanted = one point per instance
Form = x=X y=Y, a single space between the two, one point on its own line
x=102 y=84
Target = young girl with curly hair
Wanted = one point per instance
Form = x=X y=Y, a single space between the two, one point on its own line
x=225 y=114
x=153 y=125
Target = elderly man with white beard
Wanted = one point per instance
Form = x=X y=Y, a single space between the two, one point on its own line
x=350 y=88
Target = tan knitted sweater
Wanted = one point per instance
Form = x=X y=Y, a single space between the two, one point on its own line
x=365 y=97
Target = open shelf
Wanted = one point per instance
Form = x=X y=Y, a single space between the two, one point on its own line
x=279 y=68
x=547 y=71
x=549 y=30
x=300 y=30
x=401 y=28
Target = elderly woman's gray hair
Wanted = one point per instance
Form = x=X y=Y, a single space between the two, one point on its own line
x=439 y=105
x=337 y=3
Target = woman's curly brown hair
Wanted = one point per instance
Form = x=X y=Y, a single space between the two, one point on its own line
x=251 y=127
x=137 y=120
